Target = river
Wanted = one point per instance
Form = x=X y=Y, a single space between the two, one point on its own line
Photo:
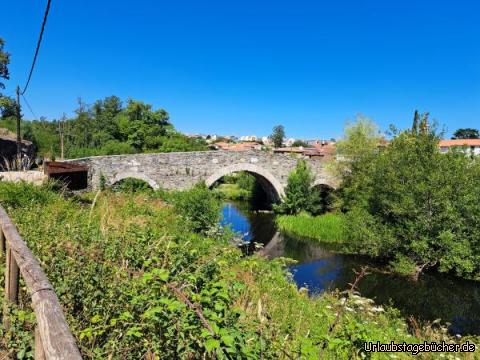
x=433 y=296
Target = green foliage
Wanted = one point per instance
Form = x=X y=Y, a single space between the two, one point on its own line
x=238 y=186
x=105 y=128
x=199 y=206
x=131 y=185
x=413 y=201
x=278 y=135
x=233 y=192
x=403 y=265
x=4 y=61
x=325 y=228
x=298 y=143
x=466 y=133
x=135 y=283
x=355 y=153
x=24 y=194
x=301 y=195
x=245 y=181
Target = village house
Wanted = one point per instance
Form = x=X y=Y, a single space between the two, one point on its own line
x=470 y=146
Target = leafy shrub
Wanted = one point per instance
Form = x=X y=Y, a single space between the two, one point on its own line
x=131 y=185
x=199 y=206
x=115 y=147
x=414 y=201
x=22 y=194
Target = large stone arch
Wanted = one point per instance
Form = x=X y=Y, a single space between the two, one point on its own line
x=270 y=184
x=135 y=175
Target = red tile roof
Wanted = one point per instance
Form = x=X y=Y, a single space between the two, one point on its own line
x=459 y=142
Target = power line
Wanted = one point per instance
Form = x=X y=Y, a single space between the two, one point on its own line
x=38 y=46
x=29 y=107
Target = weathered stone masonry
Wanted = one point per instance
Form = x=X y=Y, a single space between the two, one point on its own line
x=182 y=170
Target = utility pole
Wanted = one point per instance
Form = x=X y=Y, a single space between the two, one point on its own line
x=19 y=138
x=61 y=130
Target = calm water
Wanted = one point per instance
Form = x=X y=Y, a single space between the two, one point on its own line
x=434 y=296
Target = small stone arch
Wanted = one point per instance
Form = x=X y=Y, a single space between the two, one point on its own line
x=323 y=182
x=135 y=175
x=269 y=183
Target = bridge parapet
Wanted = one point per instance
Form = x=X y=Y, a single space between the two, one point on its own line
x=181 y=170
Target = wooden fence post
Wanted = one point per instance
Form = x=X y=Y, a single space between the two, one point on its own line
x=39 y=353
x=11 y=284
x=2 y=241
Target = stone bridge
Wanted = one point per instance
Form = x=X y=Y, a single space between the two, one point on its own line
x=182 y=170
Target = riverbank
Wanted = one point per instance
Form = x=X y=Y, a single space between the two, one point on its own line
x=136 y=282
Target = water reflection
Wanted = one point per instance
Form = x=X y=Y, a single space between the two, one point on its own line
x=319 y=268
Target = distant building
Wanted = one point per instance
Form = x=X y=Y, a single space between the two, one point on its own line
x=470 y=146
x=267 y=141
x=321 y=149
x=289 y=142
x=249 y=138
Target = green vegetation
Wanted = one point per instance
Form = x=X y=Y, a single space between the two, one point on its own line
x=301 y=195
x=233 y=192
x=107 y=127
x=199 y=206
x=325 y=228
x=4 y=61
x=129 y=185
x=410 y=202
x=466 y=133
x=136 y=282
x=237 y=186
x=278 y=134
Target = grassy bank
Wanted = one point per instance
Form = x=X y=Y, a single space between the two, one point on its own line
x=124 y=267
x=233 y=192
x=326 y=228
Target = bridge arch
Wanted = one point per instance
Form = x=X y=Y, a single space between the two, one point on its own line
x=134 y=175
x=269 y=183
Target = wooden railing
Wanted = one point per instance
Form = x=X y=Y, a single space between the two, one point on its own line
x=53 y=339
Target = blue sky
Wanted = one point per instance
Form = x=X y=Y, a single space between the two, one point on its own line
x=241 y=67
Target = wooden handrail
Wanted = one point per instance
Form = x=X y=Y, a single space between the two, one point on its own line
x=53 y=338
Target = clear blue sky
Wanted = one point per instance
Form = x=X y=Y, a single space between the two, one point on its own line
x=241 y=67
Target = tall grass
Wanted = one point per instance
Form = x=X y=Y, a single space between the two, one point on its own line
x=325 y=228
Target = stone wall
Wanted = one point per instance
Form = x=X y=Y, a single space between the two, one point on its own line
x=34 y=177
x=182 y=170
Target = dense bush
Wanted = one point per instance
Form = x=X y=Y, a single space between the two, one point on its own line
x=416 y=202
x=131 y=185
x=199 y=206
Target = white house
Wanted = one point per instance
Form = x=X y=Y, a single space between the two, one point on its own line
x=471 y=146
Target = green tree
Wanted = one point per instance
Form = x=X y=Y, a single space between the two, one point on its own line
x=355 y=152
x=418 y=205
x=298 y=190
x=7 y=105
x=278 y=135
x=298 y=143
x=466 y=133
x=4 y=61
